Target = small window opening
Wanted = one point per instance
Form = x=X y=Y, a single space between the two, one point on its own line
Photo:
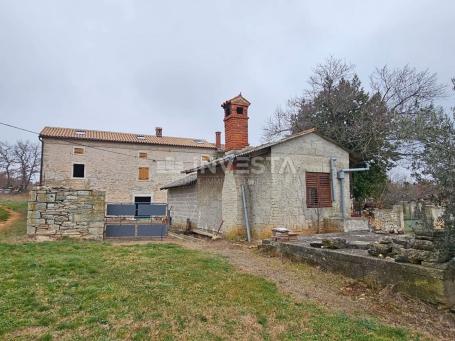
x=78 y=170
x=78 y=150
x=144 y=173
x=143 y=155
x=240 y=110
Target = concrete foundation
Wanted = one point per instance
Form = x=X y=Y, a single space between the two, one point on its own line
x=431 y=284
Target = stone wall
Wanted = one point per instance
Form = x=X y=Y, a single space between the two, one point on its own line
x=182 y=202
x=309 y=153
x=58 y=212
x=116 y=172
x=431 y=284
x=388 y=220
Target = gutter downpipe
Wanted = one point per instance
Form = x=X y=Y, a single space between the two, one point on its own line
x=41 y=162
x=245 y=211
x=333 y=174
x=341 y=177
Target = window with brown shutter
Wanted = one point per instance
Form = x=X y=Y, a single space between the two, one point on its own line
x=318 y=190
x=143 y=155
x=78 y=150
x=143 y=173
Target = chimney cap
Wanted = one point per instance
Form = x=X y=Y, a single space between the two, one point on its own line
x=159 y=131
x=239 y=100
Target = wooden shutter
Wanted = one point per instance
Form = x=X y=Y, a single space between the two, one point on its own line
x=142 y=155
x=78 y=150
x=143 y=173
x=318 y=190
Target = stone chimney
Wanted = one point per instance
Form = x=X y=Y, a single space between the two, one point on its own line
x=236 y=123
x=218 y=139
x=159 y=132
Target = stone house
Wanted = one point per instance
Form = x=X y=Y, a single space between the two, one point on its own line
x=127 y=167
x=293 y=182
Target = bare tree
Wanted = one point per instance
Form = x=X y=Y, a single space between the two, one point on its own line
x=325 y=78
x=27 y=158
x=328 y=74
x=7 y=162
x=406 y=89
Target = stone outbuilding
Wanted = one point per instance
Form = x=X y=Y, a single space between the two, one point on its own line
x=294 y=182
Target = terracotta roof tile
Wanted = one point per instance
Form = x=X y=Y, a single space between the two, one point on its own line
x=108 y=136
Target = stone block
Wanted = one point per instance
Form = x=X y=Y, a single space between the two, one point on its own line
x=33 y=214
x=37 y=221
x=41 y=197
x=83 y=193
x=97 y=224
x=376 y=249
x=96 y=231
x=50 y=197
x=61 y=218
x=67 y=225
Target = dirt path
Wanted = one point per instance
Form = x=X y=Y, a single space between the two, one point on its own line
x=335 y=292
x=13 y=216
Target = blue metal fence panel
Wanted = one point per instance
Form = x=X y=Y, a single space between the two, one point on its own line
x=148 y=210
x=121 y=209
x=120 y=231
x=152 y=230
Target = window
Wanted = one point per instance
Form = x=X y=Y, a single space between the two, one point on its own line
x=78 y=170
x=143 y=173
x=143 y=155
x=205 y=158
x=140 y=137
x=318 y=190
x=78 y=150
x=240 y=110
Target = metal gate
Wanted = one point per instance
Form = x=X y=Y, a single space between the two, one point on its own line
x=139 y=220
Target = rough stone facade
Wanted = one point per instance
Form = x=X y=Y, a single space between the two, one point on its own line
x=116 y=171
x=55 y=213
x=275 y=191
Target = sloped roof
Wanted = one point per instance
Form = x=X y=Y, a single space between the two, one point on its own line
x=250 y=150
x=186 y=181
x=239 y=99
x=108 y=136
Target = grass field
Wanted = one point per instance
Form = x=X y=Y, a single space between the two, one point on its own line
x=87 y=290
x=4 y=214
x=77 y=290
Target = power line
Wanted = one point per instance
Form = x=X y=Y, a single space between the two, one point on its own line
x=72 y=141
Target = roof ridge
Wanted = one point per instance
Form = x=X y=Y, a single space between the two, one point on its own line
x=129 y=133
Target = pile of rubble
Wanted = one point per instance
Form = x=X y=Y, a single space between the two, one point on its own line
x=426 y=248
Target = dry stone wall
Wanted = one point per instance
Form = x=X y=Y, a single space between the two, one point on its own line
x=58 y=212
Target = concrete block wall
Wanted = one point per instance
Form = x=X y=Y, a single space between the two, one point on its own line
x=58 y=212
x=209 y=198
x=182 y=202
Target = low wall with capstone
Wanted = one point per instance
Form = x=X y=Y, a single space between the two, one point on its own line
x=58 y=212
x=431 y=284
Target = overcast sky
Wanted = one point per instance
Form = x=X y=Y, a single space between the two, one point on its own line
x=134 y=65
